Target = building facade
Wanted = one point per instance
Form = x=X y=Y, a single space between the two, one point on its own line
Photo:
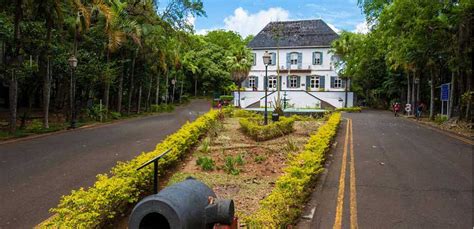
x=303 y=57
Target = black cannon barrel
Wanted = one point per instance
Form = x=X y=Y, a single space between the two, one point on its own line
x=182 y=205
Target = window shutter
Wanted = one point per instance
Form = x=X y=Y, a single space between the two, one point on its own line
x=332 y=81
x=256 y=81
x=300 y=60
x=274 y=59
x=288 y=56
x=322 y=81
x=287 y=81
x=245 y=83
x=308 y=83
x=321 y=58
x=298 y=81
x=254 y=59
x=343 y=83
x=279 y=82
x=314 y=58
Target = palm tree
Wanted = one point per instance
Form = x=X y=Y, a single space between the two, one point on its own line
x=239 y=64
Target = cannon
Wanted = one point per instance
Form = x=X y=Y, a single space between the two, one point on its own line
x=188 y=204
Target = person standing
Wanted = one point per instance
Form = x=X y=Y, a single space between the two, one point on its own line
x=396 y=109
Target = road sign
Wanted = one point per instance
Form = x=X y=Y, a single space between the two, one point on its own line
x=408 y=108
x=445 y=92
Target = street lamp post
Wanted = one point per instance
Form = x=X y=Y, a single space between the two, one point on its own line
x=73 y=64
x=266 y=62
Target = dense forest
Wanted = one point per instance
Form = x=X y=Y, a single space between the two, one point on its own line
x=126 y=55
x=412 y=48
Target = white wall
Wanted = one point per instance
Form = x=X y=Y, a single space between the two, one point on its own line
x=326 y=69
x=300 y=99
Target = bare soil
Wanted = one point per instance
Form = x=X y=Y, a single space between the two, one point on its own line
x=263 y=162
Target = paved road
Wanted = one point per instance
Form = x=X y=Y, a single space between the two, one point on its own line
x=35 y=173
x=397 y=175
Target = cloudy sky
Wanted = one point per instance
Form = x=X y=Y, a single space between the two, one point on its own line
x=250 y=16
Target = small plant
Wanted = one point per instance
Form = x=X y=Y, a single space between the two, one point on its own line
x=259 y=159
x=96 y=112
x=115 y=115
x=291 y=145
x=230 y=167
x=206 y=163
x=440 y=119
x=205 y=145
x=239 y=160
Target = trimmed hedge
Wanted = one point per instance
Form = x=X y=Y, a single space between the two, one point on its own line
x=350 y=109
x=252 y=128
x=111 y=194
x=283 y=205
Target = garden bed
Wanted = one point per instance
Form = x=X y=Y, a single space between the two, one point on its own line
x=256 y=167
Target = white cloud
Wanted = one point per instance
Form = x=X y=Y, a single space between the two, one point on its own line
x=191 y=20
x=362 y=28
x=246 y=23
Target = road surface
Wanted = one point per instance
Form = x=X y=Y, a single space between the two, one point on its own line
x=35 y=173
x=396 y=174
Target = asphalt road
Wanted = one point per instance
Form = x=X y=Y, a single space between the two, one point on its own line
x=403 y=176
x=35 y=173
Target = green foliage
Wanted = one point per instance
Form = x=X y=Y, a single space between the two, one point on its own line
x=162 y=108
x=231 y=163
x=240 y=113
x=440 y=119
x=109 y=196
x=259 y=159
x=228 y=98
x=206 y=163
x=96 y=112
x=252 y=128
x=205 y=145
x=115 y=115
x=283 y=205
x=350 y=109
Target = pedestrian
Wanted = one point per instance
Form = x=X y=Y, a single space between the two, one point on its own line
x=419 y=110
x=396 y=108
x=219 y=105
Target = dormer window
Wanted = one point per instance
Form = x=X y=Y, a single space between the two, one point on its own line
x=294 y=58
x=317 y=58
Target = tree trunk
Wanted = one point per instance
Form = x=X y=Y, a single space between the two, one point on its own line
x=13 y=99
x=432 y=95
x=408 y=90
x=174 y=89
x=46 y=93
x=451 y=96
x=181 y=92
x=120 y=89
x=468 y=90
x=167 y=87
x=148 y=96
x=195 y=86
x=413 y=102
x=139 y=102
x=130 y=93
x=107 y=84
x=157 y=93
x=345 y=93
x=238 y=89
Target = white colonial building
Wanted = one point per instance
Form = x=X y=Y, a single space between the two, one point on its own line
x=306 y=67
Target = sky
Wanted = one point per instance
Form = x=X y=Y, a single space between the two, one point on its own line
x=248 y=17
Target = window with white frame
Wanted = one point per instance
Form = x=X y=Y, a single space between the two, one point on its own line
x=318 y=58
x=337 y=82
x=314 y=82
x=272 y=58
x=272 y=82
x=294 y=58
x=293 y=82
x=252 y=82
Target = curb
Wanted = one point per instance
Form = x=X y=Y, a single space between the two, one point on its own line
x=449 y=133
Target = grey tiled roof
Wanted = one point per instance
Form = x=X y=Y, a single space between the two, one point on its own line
x=294 y=34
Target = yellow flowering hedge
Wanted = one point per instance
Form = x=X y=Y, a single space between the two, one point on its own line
x=113 y=192
x=350 y=109
x=283 y=205
x=252 y=128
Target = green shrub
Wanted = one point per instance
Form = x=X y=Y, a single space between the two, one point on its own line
x=228 y=98
x=239 y=160
x=206 y=163
x=96 y=112
x=440 y=119
x=205 y=145
x=283 y=205
x=162 y=108
x=115 y=115
x=240 y=113
x=350 y=109
x=252 y=128
x=111 y=193
x=230 y=165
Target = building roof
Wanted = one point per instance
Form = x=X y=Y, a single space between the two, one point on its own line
x=294 y=34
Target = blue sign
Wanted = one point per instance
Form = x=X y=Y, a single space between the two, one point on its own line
x=445 y=92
